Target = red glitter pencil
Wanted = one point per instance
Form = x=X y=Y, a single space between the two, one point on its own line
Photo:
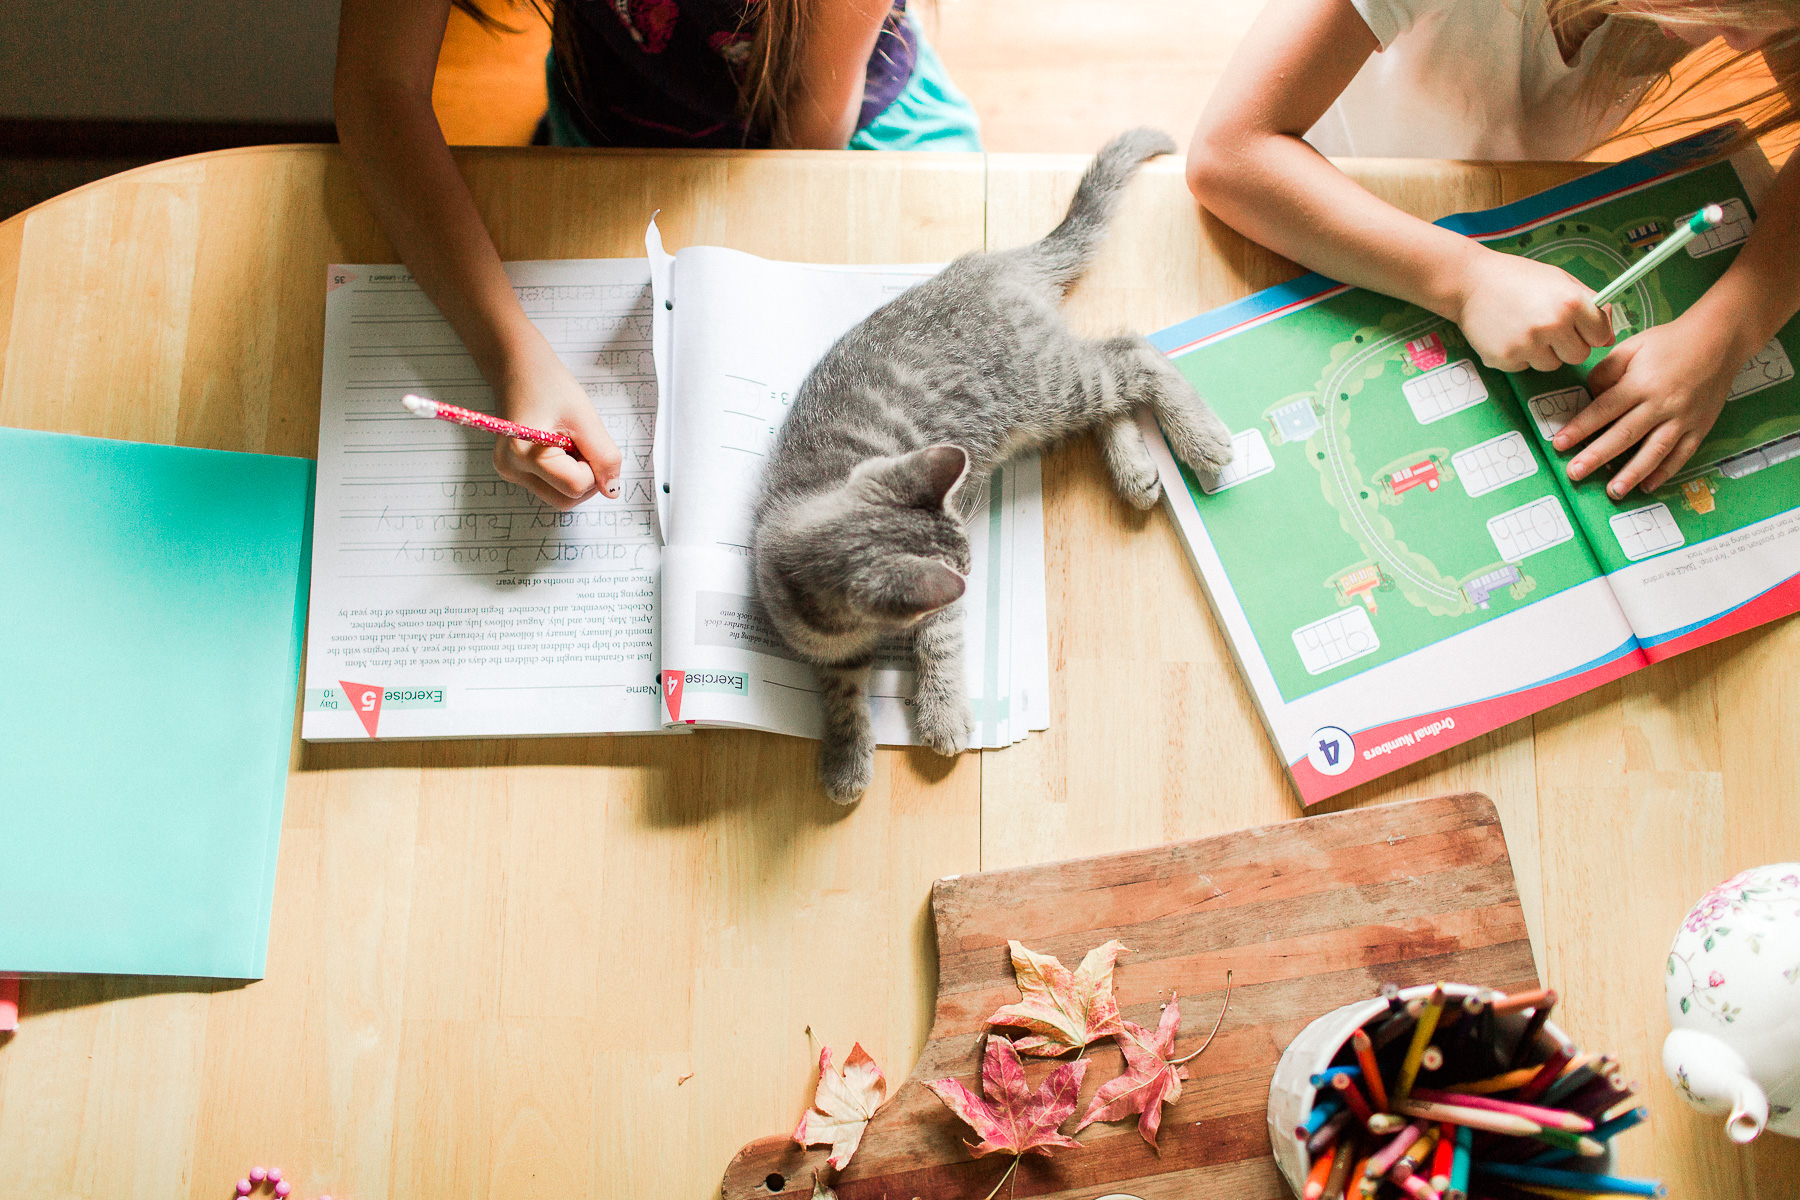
x=419 y=406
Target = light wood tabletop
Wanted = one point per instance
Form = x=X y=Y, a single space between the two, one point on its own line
x=597 y=967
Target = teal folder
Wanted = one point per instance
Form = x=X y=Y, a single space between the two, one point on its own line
x=152 y=614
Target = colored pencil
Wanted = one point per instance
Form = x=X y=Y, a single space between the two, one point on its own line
x=1474 y=1118
x=1519 y=1001
x=1393 y=1029
x=1547 y=1073
x=1353 y=1097
x=1602 y=1133
x=1365 y=1054
x=1462 y=1160
x=1324 y=1077
x=1327 y=1135
x=1433 y=1058
x=1585 y=1147
x=1416 y=1154
x=1573 y=1079
x=1322 y=1110
x=1386 y=1122
x=419 y=406
x=1315 y=1178
x=1575 y=1181
x=1446 y=1154
x=1707 y=218
x=1415 y=1053
x=1347 y=1157
x=1510 y=1081
x=1418 y=1189
x=1550 y=1118
x=1383 y=1160
x=1539 y=1014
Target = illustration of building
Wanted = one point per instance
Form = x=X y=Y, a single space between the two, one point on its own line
x=1295 y=422
x=1481 y=587
x=1361 y=584
x=1408 y=478
x=1697 y=494
x=1758 y=458
x=1644 y=236
x=1427 y=353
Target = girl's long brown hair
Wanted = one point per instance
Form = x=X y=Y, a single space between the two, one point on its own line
x=1640 y=48
x=766 y=81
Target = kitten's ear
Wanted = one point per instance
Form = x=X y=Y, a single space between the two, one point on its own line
x=928 y=478
x=913 y=587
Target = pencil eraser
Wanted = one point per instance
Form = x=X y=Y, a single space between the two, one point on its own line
x=283 y=1187
x=258 y=1174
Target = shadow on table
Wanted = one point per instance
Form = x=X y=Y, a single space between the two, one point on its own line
x=55 y=993
x=668 y=780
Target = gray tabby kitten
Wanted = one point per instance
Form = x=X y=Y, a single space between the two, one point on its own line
x=859 y=532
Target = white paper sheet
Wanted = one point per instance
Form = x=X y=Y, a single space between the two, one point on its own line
x=474 y=608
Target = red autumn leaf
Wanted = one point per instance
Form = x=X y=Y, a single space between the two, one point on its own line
x=1013 y=1120
x=1149 y=1080
x=1064 y=1010
x=842 y=1105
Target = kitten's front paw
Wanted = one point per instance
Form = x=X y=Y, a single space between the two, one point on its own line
x=847 y=768
x=945 y=721
x=1206 y=442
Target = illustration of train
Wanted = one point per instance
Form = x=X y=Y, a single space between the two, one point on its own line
x=1644 y=236
x=1407 y=478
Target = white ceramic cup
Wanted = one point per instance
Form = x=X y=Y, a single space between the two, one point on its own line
x=1291 y=1091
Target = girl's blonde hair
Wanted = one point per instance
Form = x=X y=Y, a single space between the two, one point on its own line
x=766 y=80
x=1640 y=47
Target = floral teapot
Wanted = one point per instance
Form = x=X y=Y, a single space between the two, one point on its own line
x=1733 y=988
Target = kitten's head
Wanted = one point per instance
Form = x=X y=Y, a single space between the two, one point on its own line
x=840 y=570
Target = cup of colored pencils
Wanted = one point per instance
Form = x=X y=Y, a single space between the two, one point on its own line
x=1449 y=1092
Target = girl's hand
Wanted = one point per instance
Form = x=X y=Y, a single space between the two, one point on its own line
x=1520 y=314
x=1663 y=388
x=541 y=392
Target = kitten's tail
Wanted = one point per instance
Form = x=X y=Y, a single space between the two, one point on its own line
x=1064 y=254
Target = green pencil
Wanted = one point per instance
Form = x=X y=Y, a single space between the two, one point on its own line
x=1707 y=218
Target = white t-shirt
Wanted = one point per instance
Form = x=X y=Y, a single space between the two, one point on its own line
x=1469 y=79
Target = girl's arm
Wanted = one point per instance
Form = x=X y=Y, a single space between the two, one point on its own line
x=1248 y=164
x=1662 y=389
x=834 y=64
x=387 y=57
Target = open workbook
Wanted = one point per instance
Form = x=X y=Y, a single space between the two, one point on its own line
x=449 y=603
x=1396 y=553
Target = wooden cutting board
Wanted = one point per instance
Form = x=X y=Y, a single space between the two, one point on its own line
x=1307 y=915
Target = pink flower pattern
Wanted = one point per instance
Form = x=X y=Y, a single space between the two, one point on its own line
x=1715 y=980
x=651 y=22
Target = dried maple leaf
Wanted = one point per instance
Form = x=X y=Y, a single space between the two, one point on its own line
x=842 y=1105
x=1149 y=1080
x=1064 y=1010
x=1152 y=1075
x=1013 y=1120
x=820 y=1191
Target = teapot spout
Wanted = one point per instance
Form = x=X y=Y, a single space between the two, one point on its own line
x=1714 y=1078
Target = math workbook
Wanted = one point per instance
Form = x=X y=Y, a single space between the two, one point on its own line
x=447 y=602
x=1396 y=552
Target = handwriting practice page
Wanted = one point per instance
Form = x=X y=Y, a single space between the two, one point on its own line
x=447 y=602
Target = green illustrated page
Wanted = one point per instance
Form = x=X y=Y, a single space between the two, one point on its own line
x=1384 y=495
x=1748 y=468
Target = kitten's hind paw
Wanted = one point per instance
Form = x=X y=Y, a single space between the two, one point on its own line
x=1129 y=465
x=846 y=770
x=945 y=722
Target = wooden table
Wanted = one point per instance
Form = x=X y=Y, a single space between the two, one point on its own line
x=596 y=967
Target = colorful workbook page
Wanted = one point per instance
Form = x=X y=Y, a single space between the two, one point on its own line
x=734 y=368
x=1717 y=549
x=446 y=601
x=154 y=600
x=1439 y=576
